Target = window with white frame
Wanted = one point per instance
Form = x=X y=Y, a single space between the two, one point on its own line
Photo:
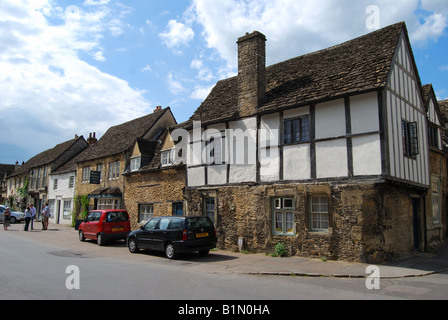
x=108 y=203
x=55 y=184
x=146 y=212
x=67 y=213
x=283 y=216
x=114 y=170
x=99 y=168
x=168 y=157
x=209 y=208
x=136 y=163
x=319 y=213
x=86 y=174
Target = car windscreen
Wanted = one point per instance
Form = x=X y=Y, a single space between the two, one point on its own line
x=199 y=222
x=117 y=216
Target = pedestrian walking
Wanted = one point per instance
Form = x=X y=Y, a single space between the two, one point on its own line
x=27 y=218
x=33 y=215
x=6 y=219
x=45 y=217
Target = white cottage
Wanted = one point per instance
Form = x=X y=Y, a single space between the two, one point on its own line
x=326 y=153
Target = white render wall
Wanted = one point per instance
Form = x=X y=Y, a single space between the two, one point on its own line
x=61 y=194
x=404 y=102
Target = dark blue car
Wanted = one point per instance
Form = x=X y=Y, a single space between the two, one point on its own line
x=174 y=235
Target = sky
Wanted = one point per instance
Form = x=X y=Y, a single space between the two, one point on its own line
x=79 y=66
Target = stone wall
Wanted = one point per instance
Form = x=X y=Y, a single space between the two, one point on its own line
x=368 y=222
x=436 y=231
x=160 y=188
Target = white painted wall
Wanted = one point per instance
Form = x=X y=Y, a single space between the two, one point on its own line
x=62 y=193
x=404 y=102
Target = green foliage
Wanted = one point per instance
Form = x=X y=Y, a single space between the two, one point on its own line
x=280 y=250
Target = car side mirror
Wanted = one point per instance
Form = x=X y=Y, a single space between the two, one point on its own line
x=142 y=227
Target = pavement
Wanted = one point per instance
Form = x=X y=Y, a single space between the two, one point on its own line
x=220 y=261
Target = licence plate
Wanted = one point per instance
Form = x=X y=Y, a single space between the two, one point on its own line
x=117 y=229
x=201 y=235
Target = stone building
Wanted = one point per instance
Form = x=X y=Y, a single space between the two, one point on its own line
x=99 y=173
x=154 y=185
x=35 y=173
x=327 y=152
x=436 y=205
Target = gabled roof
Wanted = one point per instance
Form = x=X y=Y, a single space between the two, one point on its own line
x=428 y=94
x=121 y=138
x=46 y=157
x=356 y=66
x=443 y=107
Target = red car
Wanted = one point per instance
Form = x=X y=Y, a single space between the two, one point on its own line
x=104 y=225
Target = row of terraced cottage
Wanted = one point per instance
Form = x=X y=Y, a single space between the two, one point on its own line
x=337 y=153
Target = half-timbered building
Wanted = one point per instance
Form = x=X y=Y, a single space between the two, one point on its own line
x=327 y=152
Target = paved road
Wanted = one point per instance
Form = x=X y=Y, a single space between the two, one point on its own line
x=33 y=265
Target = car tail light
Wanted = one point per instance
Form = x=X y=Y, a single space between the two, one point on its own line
x=184 y=235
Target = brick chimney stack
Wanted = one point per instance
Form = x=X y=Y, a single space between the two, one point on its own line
x=251 y=72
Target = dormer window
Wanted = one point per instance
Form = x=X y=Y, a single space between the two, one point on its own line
x=136 y=163
x=168 y=157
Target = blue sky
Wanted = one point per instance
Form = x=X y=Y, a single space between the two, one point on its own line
x=79 y=66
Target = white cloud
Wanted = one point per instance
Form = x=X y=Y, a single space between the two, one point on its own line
x=174 y=85
x=201 y=93
x=295 y=27
x=204 y=73
x=47 y=93
x=176 y=34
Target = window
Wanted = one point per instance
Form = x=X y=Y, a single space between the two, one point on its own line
x=55 y=184
x=319 y=213
x=136 y=163
x=433 y=136
x=146 y=213
x=110 y=203
x=283 y=216
x=168 y=157
x=71 y=182
x=209 y=208
x=178 y=209
x=214 y=151
x=99 y=168
x=410 y=138
x=67 y=213
x=297 y=130
x=86 y=175
x=114 y=170
x=436 y=200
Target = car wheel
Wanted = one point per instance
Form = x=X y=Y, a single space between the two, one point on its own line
x=170 y=252
x=100 y=240
x=13 y=220
x=81 y=236
x=132 y=245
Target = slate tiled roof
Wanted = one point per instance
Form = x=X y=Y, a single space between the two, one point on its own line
x=45 y=158
x=355 y=66
x=122 y=137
